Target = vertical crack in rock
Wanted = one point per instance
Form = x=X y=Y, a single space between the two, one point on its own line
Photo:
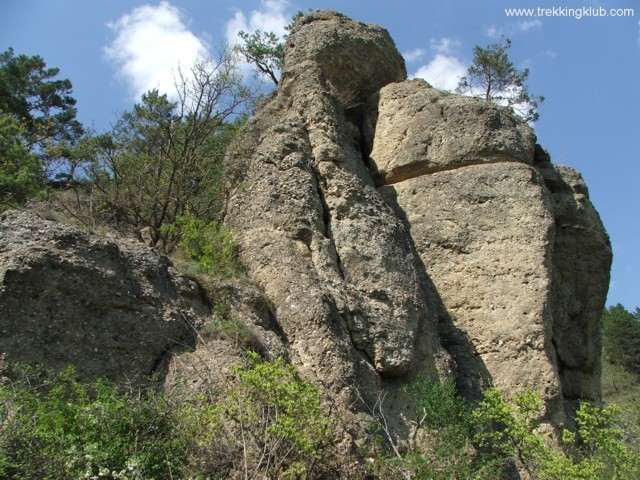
x=326 y=218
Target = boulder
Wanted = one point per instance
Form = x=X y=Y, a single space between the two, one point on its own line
x=486 y=234
x=110 y=308
x=356 y=58
x=412 y=129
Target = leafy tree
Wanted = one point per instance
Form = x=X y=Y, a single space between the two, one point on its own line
x=621 y=337
x=265 y=50
x=493 y=77
x=41 y=103
x=163 y=159
x=20 y=170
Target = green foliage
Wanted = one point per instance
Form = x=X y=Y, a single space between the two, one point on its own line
x=622 y=388
x=269 y=425
x=510 y=430
x=40 y=103
x=20 y=170
x=37 y=117
x=456 y=439
x=210 y=244
x=442 y=446
x=621 y=336
x=164 y=158
x=594 y=451
x=265 y=50
x=493 y=77
x=85 y=431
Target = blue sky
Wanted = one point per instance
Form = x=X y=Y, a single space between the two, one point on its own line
x=588 y=69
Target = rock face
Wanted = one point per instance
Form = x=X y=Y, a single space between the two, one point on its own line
x=412 y=129
x=330 y=253
x=402 y=231
x=67 y=297
x=397 y=231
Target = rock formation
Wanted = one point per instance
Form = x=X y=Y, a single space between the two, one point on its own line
x=400 y=230
x=115 y=309
x=397 y=231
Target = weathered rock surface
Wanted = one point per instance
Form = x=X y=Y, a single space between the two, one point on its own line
x=328 y=250
x=397 y=231
x=485 y=234
x=386 y=229
x=413 y=129
x=581 y=266
x=356 y=58
x=67 y=297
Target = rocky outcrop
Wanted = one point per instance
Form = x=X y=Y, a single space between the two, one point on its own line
x=412 y=129
x=314 y=232
x=581 y=265
x=395 y=231
x=402 y=231
x=357 y=59
x=115 y=309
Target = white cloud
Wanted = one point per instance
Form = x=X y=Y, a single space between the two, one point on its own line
x=414 y=55
x=150 y=43
x=445 y=45
x=493 y=32
x=272 y=17
x=524 y=26
x=527 y=25
x=442 y=72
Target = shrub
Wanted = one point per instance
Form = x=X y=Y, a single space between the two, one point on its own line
x=456 y=439
x=70 y=430
x=210 y=245
x=270 y=425
x=441 y=447
x=234 y=330
x=594 y=451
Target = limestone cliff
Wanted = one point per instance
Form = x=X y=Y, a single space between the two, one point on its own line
x=394 y=230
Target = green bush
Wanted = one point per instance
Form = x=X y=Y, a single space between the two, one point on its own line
x=21 y=175
x=511 y=431
x=210 y=245
x=442 y=444
x=456 y=439
x=69 y=430
x=269 y=425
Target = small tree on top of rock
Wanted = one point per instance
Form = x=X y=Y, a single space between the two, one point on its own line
x=265 y=50
x=493 y=77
